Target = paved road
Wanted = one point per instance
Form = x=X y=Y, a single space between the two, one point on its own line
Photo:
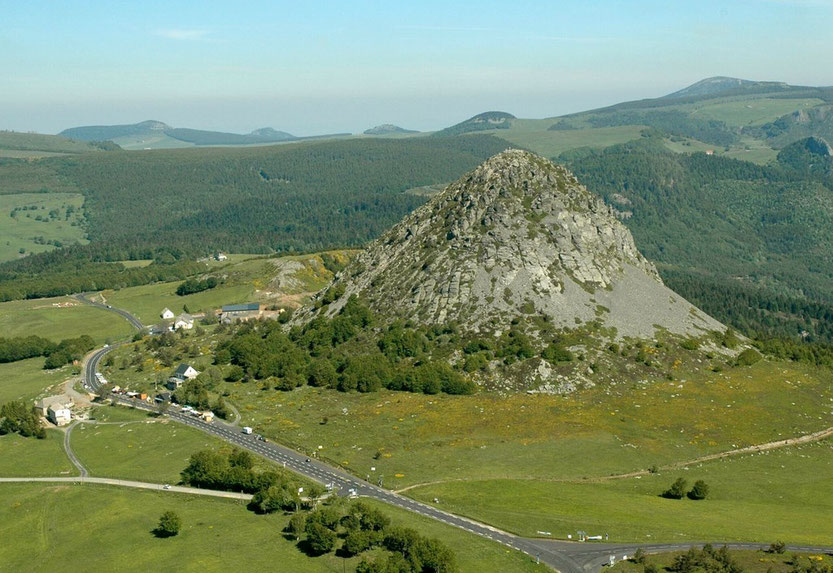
x=84 y=297
x=564 y=556
x=129 y=483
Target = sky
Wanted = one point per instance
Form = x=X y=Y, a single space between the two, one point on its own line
x=319 y=67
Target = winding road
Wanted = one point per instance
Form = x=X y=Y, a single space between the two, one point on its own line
x=564 y=556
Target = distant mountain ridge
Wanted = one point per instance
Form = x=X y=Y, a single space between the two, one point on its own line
x=720 y=84
x=480 y=122
x=388 y=129
x=153 y=128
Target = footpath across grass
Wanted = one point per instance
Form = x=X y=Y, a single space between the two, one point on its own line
x=781 y=494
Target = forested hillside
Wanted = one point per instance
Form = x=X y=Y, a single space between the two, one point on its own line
x=726 y=219
x=302 y=197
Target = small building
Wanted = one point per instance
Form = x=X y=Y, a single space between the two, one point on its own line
x=221 y=257
x=167 y=314
x=208 y=416
x=163 y=397
x=59 y=416
x=60 y=402
x=247 y=311
x=184 y=321
x=182 y=373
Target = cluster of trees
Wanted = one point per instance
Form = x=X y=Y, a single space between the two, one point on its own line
x=193 y=285
x=68 y=350
x=708 y=560
x=234 y=471
x=23 y=347
x=57 y=354
x=18 y=418
x=679 y=490
x=344 y=353
x=361 y=527
x=82 y=268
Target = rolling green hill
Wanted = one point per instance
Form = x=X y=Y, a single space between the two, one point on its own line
x=35 y=145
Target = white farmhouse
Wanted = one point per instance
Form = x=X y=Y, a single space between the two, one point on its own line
x=167 y=313
x=184 y=321
x=59 y=416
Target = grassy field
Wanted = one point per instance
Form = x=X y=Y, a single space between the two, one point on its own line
x=284 y=280
x=132 y=445
x=147 y=301
x=749 y=561
x=748 y=112
x=21 y=229
x=414 y=438
x=65 y=522
x=533 y=134
x=13 y=140
x=784 y=494
x=26 y=379
x=28 y=457
x=59 y=318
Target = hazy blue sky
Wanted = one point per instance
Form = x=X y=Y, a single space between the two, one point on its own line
x=315 y=67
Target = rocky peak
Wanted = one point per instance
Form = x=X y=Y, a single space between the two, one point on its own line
x=517 y=235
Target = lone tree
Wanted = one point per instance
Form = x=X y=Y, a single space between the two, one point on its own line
x=169 y=525
x=699 y=491
x=677 y=489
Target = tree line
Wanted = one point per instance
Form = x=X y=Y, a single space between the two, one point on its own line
x=57 y=353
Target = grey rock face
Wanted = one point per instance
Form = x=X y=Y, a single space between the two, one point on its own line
x=518 y=235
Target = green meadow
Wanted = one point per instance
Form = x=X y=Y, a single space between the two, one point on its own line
x=59 y=318
x=36 y=222
x=26 y=379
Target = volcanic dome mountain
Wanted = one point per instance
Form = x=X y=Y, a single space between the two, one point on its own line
x=516 y=236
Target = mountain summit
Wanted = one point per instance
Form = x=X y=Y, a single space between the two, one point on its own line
x=516 y=236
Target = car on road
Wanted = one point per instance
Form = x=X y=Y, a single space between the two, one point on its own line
x=307 y=460
x=166 y=486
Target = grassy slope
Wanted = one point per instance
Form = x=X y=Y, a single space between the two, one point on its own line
x=784 y=494
x=64 y=522
x=40 y=142
x=595 y=432
x=26 y=379
x=132 y=445
x=20 y=231
x=246 y=279
x=23 y=457
x=533 y=134
x=41 y=318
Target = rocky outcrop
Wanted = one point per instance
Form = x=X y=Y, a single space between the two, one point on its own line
x=518 y=235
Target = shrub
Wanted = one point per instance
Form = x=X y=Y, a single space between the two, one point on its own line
x=778 y=547
x=699 y=491
x=748 y=357
x=677 y=489
x=169 y=525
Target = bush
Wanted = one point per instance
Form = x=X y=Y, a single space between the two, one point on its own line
x=779 y=547
x=699 y=491
x=748 y=357
x=677 y=489
x=169 y=525
x=555 y=353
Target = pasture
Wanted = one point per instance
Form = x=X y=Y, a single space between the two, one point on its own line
x=59 y=318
